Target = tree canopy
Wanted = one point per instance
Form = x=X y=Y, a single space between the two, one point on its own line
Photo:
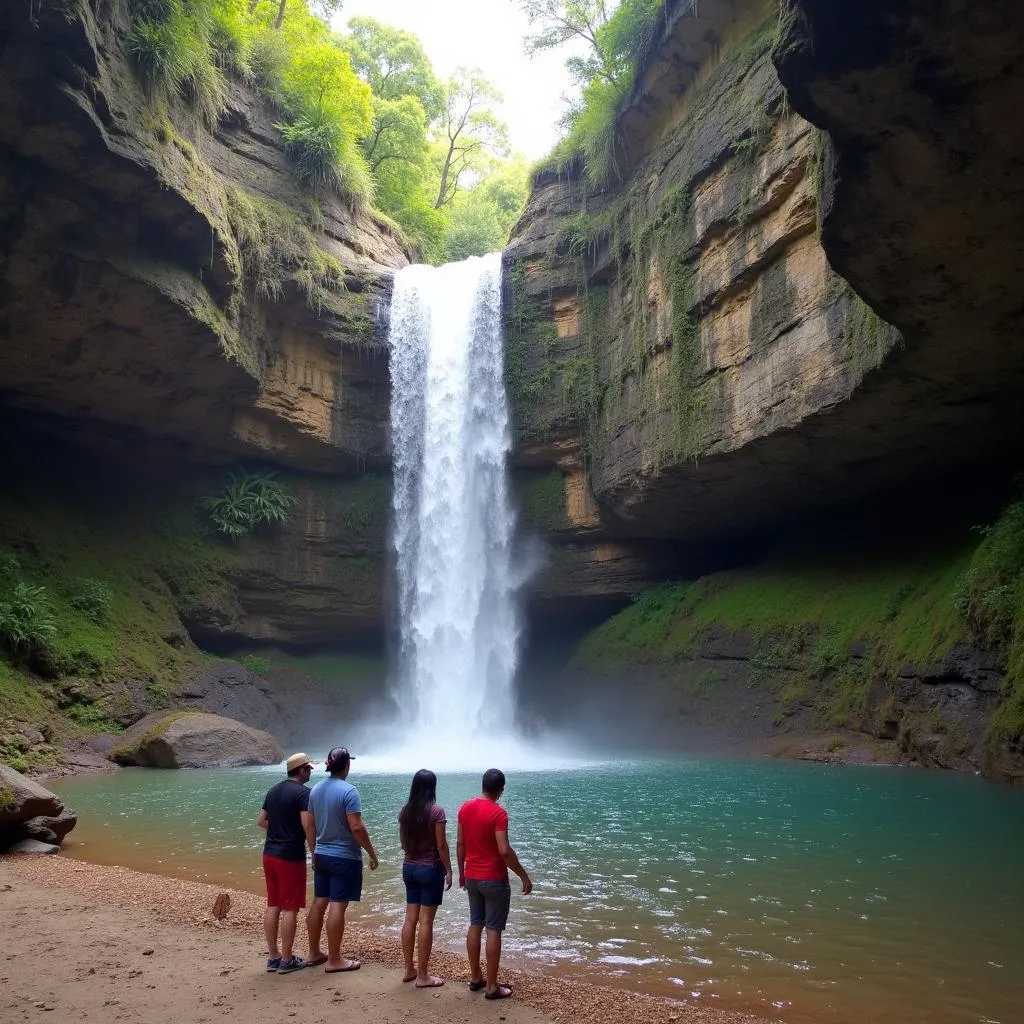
x=362 y=113
x=616 y=36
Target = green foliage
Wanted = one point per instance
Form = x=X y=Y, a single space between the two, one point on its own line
x=247 y=501
x=990 y=597
x=257 y=664
x=542 y=501
x=94 y=716
x=92 y=598
x=27 y=623
x=6 y=797
x=277 y=249
x=902 y=609
x=361 y=115
x=393 y=63
x=365 y=504
x=171 y=46
x=324 y=155
x=617 y=43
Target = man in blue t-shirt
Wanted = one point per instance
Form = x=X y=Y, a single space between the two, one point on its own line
x=337 y=860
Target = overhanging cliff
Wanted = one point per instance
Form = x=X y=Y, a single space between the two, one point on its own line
x=680 y=342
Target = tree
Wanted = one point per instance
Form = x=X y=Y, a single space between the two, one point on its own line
x=558 y=22
x=393 y=63
x=322 y=8
x=481 y=217
x=470 y=133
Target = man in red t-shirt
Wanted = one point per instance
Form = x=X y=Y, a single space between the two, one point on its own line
x=485 y=857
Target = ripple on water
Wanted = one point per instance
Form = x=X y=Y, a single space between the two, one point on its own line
x=736 y=867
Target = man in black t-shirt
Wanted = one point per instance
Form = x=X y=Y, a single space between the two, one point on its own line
x=289 y=827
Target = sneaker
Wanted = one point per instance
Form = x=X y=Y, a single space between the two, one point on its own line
x=273 y=963
x=293 y=963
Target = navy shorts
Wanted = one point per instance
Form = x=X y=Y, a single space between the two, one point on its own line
x=489 y=903
x=423 y=885
x=338 y=879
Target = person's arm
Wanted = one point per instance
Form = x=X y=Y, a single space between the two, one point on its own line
x=440 y=834
x=362 y=837
x=263 y=820
x=460 y=856
x=508 y=855
x=309 y=827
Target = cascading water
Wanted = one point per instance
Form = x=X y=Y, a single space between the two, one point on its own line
x=453 y=522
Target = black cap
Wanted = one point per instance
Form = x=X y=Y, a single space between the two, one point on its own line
x=337 y=756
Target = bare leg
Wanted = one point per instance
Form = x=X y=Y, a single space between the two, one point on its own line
x=473 y=951
x=425 y=940
x=335 y=934
x=270 y=918
x=412 y=913
x=315 y=926
x=493 y=957
x=289 y=919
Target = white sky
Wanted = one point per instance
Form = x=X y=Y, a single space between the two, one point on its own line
x=487 y=34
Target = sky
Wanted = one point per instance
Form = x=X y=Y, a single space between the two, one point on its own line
x=487 y=34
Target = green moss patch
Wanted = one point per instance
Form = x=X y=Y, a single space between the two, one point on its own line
x=906 y=612
x=541 y=498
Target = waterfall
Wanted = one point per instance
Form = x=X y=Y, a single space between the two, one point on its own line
x=453 y=521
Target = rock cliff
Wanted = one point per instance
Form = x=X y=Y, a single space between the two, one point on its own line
x=169 y=279
x=695 y=345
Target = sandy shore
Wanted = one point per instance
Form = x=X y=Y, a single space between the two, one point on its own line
x=96 y=942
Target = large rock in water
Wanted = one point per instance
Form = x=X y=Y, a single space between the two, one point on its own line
x=195 y=740
x=29 y=811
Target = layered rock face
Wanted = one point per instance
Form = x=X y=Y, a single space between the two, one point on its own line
x=170 y=279
x=701 y=345
x=683 y=333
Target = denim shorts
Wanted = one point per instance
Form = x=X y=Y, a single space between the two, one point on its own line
x=489 y=903
x=338 y=879
x=423 y=885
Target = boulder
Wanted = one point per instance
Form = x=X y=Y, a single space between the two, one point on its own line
x=22 y=799
x=28 y=811
x=51 y=829
x=32 y=846
x=195 y=740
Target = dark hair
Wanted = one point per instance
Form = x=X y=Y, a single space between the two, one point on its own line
x=295 y=771
x=414 y=826
x=337 y=759
x=494 y=781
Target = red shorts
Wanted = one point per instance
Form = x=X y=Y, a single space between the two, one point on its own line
x=286 y=882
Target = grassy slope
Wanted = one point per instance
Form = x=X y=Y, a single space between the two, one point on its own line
x=909 y=607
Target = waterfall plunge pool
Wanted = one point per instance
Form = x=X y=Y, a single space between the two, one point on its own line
x=806 y=893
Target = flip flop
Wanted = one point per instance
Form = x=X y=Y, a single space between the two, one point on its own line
x=433 y=983
x=353 y=965
x=475 y=986
x=501 y=992
x=322 y=959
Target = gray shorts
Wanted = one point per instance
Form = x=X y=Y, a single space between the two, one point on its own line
x=489 y=903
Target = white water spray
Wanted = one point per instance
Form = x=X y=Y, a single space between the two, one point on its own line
x=453 y=522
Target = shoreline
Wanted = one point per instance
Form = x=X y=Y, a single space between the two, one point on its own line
x=180 y=904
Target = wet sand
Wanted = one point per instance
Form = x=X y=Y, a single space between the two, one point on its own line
x=94 y=942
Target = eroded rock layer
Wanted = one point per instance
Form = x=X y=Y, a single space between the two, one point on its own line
x=169 y=278
x=682 y=332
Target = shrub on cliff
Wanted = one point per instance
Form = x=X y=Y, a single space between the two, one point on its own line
x=247 y=501
x=27 y=622
x=991 y=596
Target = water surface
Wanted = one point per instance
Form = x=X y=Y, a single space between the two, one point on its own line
x=808 y=893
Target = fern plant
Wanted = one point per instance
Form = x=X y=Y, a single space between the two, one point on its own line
x=92 y=598
x=247 y=501
x=27 y=622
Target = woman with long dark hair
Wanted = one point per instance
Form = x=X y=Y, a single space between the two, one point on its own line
x=426 y=871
